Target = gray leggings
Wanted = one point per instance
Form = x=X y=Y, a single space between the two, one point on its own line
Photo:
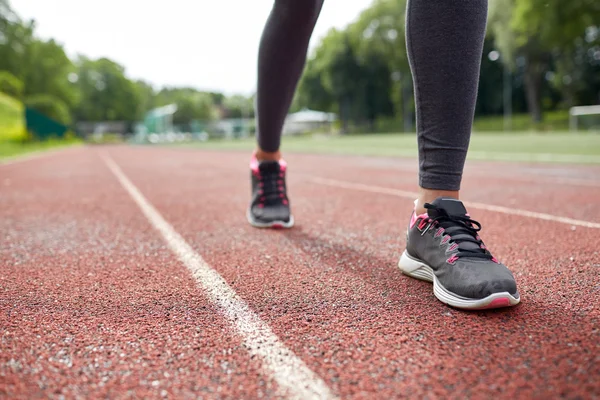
x=444 y=41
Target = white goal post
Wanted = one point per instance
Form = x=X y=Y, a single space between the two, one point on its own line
x=575 y=112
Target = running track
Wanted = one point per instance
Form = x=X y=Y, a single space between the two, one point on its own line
x=132 y=273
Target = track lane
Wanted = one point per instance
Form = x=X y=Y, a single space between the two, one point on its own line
x=93 y=304
x=331 y=291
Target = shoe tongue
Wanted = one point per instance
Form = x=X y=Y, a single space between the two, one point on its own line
x=451 y=206
x=454 y=208
x=269 y=166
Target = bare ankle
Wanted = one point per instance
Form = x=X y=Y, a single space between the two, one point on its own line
x=429 y=195
x=268 y=156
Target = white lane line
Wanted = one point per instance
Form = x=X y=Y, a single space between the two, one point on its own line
x=280 y=363
x=480 y=206
x=35 y=155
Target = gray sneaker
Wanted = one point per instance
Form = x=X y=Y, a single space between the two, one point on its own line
x=444 y=247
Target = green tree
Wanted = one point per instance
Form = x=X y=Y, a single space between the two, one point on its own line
x=10 y=84
x=106 y=93
x=378 y=36
x=539 y=34
x=238 y=107
x=191 y=104
x=147 y=96
x=50 y=106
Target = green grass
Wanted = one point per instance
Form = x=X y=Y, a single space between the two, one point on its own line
x=12 y=118
x=553 y=121
x=11 y=149
x=524 y=146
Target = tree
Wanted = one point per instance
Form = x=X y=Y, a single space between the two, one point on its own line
x=191 y=104
x=378 y=37
x=238 y=107
x=537 y=33
x=106 y=93
x=147 y=96
x=10 y=84
x=50 y=106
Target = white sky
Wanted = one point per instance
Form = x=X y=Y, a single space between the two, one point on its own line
x=207 y=44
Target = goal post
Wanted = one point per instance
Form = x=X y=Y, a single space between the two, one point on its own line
x=576 y=112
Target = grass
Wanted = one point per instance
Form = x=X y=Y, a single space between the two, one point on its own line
x=518 y=146
x=12 y=118
x=13 y=134
x=11 y=149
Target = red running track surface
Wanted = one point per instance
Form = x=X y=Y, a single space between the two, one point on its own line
x=94 y=304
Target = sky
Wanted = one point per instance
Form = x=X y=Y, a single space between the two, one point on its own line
x=206 y=44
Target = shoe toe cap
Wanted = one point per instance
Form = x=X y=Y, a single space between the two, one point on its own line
x=270 y=214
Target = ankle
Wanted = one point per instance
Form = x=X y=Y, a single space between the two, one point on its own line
x=267 y=156
x=429 y=195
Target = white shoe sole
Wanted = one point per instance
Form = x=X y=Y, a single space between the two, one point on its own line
x=273 y=224
x=417 y=269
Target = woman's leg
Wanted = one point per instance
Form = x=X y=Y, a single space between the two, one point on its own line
x=445 y=41
x=281 y=59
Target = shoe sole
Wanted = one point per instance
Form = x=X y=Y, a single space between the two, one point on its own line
x=272 y=224
x=419 y=270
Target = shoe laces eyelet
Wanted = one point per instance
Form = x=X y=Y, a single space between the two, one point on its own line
x=452 y=259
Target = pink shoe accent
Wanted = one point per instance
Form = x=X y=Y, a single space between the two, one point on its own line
x=494 y=259
x=452 y=259
x=414 y=218
x=285 y=202
x=445 y=239
x=254 y=165
x=500 y=302
x=453 y=247
x=439 y=232
x=282 y=165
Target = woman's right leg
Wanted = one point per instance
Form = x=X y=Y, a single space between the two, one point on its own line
x=281 y=59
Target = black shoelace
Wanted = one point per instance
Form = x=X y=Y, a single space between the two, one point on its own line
x=461 y=229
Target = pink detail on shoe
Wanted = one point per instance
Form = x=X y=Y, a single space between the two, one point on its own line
x=281 y=195
x=277 y=226
x=280 y=188
x=422 y=224
x=453 y=247
x=279 y=182
x=494 y=259
x=500 y=302
x=282 y=165
x=452 y=259
x=254 y=165
x=261 y=206
x=285 y=202
x=439 y=232
x=415 y=218
x=445 y=239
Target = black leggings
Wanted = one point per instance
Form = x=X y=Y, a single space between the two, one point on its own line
x=444 y=41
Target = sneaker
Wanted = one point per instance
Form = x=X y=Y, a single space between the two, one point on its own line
x=270 y=206
x=443 y=246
